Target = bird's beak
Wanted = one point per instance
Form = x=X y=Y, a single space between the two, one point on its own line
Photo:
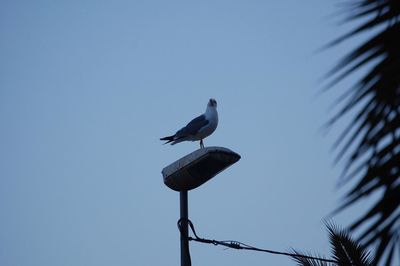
x=213 y=102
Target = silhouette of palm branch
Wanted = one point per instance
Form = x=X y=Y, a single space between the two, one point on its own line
x=345 y=251
x=372 y=140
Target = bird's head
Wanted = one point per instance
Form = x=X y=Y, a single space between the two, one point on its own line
x=212 y=103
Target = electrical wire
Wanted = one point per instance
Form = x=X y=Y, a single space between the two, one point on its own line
x=239 y=245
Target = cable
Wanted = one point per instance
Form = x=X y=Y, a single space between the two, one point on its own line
x=185 y=235
x=239 y=245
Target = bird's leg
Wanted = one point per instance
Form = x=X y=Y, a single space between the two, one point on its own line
x=201 y=144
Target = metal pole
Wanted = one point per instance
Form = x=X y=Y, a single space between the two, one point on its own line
x=185 y=256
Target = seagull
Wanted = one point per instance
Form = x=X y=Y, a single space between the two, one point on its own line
x=199 y=128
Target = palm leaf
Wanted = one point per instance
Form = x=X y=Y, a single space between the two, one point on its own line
x=370 y=145
x=302 y=260
x=345 y=251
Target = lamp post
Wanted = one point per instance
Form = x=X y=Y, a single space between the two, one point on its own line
x=190 y=172
x=184 y=228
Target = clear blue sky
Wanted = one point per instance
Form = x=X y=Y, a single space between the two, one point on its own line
x=87 y=88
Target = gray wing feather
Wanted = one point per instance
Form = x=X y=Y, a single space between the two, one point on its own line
x=192 y=127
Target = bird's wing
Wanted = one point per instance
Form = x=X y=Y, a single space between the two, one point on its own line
x=193 y=127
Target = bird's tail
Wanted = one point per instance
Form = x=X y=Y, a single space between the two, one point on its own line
x=168 y=139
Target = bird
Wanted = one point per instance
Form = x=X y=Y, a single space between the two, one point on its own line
x=199 y=128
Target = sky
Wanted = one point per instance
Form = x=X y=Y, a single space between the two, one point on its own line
x=87 y=88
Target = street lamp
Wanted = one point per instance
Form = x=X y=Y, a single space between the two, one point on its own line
x=190 y=172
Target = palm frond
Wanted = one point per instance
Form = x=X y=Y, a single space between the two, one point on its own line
x=302 y=260
x=372 y=140
x=345 y=251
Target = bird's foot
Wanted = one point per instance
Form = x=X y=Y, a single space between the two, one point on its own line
x=201 y=144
